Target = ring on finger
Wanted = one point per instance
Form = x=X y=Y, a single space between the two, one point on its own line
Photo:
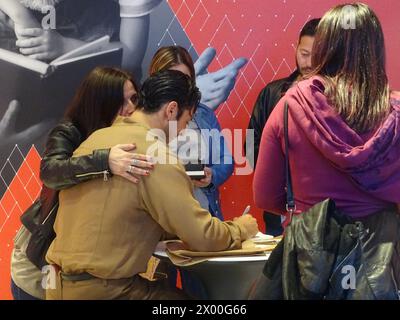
x=129 y=169
x=135 y=162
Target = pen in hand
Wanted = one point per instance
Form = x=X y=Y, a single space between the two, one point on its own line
x=246 y=211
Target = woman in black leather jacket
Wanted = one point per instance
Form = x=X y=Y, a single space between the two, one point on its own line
x=105 y=94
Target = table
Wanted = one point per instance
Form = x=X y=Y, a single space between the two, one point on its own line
x=224 y=278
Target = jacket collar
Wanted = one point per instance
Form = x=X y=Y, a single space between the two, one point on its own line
x=138 y=119
x=288 y=82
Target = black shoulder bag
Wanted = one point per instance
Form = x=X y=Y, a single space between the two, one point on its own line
x=39 y=219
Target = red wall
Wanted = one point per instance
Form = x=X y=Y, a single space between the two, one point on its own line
x=264 y=31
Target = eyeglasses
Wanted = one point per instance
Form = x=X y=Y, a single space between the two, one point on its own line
x=135 y=99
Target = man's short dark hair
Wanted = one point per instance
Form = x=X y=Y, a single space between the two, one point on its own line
x=166 y=86
x=310 y=28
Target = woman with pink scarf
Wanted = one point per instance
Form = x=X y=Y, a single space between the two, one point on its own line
x=344 y=136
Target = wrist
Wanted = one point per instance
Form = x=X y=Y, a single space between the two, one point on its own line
x=244 y=232
x=137 y=8
x=20 y=15
x=24 y=19
x=211 y=186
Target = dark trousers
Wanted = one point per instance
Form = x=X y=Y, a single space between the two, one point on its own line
x=19 y=294
x=192 y=286
x=273 y=225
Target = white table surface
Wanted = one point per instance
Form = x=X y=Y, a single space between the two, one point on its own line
x=161 y=252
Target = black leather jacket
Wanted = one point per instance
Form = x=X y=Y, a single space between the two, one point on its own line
x=266 y=102
x=58 y=170
x=325 y=255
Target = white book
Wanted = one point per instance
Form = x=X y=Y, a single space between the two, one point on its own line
x=94 y=48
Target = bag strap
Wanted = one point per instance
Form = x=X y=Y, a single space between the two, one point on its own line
x=31 y=216
x=290 y=204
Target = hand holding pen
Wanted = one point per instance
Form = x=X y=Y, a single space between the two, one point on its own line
x=248 y=222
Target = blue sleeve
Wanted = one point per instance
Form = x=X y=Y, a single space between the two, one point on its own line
x=223 y=170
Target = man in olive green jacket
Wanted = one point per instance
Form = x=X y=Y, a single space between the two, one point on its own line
x=106 y=231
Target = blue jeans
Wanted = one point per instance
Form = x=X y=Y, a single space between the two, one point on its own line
x=20 y=294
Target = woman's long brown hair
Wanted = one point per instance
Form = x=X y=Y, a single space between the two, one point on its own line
x=98 y=99
x=349 y=53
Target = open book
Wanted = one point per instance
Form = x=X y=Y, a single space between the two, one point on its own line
x=45 y=89
x=91 y=49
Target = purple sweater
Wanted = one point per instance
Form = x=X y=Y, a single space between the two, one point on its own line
x=361 y=173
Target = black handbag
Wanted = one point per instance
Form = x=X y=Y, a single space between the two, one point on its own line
x=322 y=244
x=39 y=219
